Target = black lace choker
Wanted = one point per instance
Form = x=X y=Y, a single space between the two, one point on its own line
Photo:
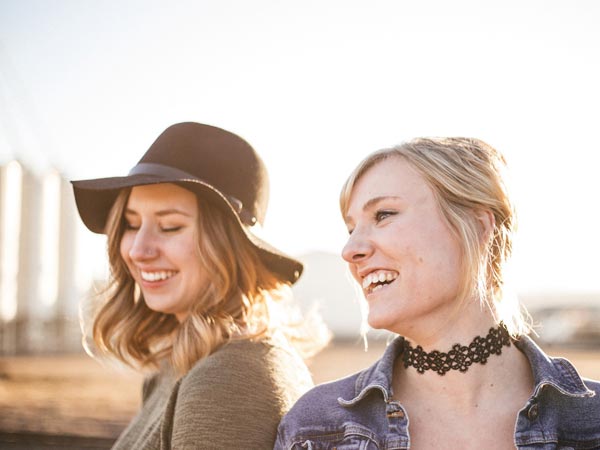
x=460 y=357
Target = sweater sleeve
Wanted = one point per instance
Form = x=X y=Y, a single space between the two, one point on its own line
x=232 y=399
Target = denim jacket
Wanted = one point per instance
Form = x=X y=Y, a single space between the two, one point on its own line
x=358 y=412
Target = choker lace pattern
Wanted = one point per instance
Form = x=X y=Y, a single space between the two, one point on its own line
x=461 y=357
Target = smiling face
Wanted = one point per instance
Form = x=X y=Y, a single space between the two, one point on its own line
x=401 y=250
x=160 y=247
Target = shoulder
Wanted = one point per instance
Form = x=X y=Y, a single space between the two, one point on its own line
x=152 y=383
x=577 y=416
x=246 y=351
x=593 y=385
x=260 y=367
x=158 y=384
x=334 y=415
x=237 y=395
x=325 y=396
x=589 y=402
x=565 y=397
x=358 y=394
x=262 y=372
x=319 y=406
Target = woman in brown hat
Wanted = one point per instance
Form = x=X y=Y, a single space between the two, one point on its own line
x=430 y=226
x=193 y=293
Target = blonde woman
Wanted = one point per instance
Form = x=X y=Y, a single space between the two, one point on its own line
x=430 y=227
x=193 y=292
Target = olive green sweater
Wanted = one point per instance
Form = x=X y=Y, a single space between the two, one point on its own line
x=233 y=399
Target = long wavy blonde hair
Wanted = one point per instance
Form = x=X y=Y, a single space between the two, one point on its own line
x=235 y=304
x=466 y=176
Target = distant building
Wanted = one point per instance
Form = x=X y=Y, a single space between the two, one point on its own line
x=39 y=295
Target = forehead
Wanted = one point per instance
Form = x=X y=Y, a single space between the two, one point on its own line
x=392 y=177
x=161 y=194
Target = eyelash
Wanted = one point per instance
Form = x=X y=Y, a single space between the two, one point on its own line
x=171 y=230
x=379 y=216
x=383 y=214
x=164 y=230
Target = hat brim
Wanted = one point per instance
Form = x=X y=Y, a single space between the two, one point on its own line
x=95 y=198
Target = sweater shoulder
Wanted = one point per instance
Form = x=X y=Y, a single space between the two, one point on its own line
x=244 y=388
x=254 y=372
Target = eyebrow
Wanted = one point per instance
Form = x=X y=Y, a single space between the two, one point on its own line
x=161 y=213
x=374 y=201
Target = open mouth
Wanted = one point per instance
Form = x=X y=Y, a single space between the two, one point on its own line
x=160 y=275
x=377 y=280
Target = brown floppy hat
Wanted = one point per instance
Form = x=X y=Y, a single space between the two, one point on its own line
x=209 y=161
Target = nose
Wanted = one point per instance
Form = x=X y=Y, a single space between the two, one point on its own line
x=357 y=248
x=143 y=245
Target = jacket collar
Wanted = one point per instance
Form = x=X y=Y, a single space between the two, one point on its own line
x=556 y=372
x=378 y=376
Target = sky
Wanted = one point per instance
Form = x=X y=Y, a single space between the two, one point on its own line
x=315 y=86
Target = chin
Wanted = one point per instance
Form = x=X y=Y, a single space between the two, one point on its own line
x=385 y=322
x=378 y=323
x=158 y=307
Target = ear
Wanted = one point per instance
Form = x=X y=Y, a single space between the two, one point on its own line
x=487 y=222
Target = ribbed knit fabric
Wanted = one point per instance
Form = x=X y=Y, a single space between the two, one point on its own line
x=232 y=399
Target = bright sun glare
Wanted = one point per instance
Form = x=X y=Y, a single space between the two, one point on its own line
x=315 y=87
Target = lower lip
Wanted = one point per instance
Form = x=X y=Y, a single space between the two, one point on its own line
x=382 y=287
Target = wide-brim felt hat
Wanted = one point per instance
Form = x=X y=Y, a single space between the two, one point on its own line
x=213 y=163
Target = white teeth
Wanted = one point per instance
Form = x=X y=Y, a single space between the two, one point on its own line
x=156 y=276
x=377 y=277
x=366 y=281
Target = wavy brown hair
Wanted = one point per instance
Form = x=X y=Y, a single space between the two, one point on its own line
x=235 y=304
x=466 y=176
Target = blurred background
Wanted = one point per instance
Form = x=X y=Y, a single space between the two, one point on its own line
x=314 y=86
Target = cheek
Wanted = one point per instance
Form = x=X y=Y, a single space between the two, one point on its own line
x=124 y=248
x=188 y=251
x=445 y=260
x=353 y=272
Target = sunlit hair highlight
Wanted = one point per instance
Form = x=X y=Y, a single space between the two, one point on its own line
x=236 y=303
x=467 y=179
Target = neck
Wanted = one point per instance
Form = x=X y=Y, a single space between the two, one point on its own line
x=460 y=357
x=465 y=391
x=440 y=330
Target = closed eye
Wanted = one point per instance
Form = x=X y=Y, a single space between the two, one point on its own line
x=171 y=229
